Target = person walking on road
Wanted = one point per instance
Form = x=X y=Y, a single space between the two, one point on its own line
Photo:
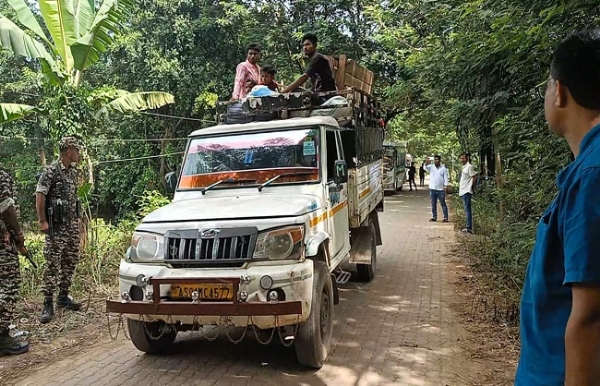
x=438 y=184
x=412 y=170
x=560 y=304
x=468 y=176
x=422 y=175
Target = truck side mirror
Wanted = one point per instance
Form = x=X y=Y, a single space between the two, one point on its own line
x=171 y=179
x=341 y=172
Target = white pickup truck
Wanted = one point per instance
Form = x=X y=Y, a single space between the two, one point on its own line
x=264 y=217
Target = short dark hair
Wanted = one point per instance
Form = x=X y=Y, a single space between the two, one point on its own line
x=576 y=64
x=437 y=157
x=468 y=155
x=254 y=47
x=311 y=38
x=269 y=70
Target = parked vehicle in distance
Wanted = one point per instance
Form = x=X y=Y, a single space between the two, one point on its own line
x=394 y=166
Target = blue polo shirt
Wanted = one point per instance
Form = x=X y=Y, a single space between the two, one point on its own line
x=567 y=251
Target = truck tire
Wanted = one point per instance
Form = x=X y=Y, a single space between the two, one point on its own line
x=313 y=340
x=366 y=272
x=144 y=342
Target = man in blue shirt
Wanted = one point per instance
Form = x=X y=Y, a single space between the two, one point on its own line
x=560 y=306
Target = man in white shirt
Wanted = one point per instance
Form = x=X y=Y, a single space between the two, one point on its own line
x=467 y=180
x=438 y=182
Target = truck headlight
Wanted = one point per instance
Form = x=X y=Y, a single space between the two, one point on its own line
x=146 y=247
x=280 y=244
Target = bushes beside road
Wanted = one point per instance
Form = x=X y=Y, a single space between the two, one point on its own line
x=97 y=272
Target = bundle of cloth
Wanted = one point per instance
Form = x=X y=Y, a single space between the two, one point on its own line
x=261 y=90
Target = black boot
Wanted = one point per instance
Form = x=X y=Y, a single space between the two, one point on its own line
x=9 y=346
x=64 y=301
x=48 y=311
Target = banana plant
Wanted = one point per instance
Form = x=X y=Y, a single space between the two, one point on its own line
x=78 y=34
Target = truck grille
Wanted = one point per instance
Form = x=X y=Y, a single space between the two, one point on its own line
x=214 y=247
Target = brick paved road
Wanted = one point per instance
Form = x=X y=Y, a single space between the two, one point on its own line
x=397 y=330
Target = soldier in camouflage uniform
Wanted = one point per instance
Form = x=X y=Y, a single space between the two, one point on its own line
x=11 y=241
x=58 y=214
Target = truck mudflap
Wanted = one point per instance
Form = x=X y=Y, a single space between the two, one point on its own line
x=234 y=307
x=361 y=240
x=360 y=253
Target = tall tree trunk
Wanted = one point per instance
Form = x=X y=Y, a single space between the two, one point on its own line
x=498 y=174
x=41 y=144
x=169 y=132
x=483 y=166
x=85 y=215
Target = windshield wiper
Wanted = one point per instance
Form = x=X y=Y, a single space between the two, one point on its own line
x=227 y=181
x=268 y=182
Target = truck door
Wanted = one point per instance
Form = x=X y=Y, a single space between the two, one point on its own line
x=337 y=197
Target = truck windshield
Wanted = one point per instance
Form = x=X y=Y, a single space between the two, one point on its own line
x=388 y=159
x=252 y=158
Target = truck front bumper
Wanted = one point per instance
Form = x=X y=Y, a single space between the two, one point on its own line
x=248 y=305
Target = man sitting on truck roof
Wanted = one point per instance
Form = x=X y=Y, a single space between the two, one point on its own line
x=246 y=71
x=267 y=77
x=318 y=69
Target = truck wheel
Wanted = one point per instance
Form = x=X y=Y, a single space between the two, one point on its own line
x=313 y=340
x=140 y=336
x=366 y=272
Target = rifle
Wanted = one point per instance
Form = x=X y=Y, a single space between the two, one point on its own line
x=50 y=219
x=28 y=255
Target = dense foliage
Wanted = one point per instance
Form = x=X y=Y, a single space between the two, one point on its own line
x=471 y=68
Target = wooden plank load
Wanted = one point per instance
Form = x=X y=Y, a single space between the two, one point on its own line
x=349 y=74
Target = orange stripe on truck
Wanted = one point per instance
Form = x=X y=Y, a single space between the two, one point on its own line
x=324 y=215
x=364 y=193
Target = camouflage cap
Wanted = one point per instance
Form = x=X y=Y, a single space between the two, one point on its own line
x=69 y=142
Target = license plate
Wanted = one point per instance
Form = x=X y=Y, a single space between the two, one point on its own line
x=205 y=291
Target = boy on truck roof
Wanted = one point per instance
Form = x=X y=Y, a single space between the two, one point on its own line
x=267 y=77
x=318 y=68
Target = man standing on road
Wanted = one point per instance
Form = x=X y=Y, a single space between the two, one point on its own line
x=438 y=183
x=560 y=305
x=246 y=71
x=57 y=190
x=468 y=177
x=422 y=174
x=10 y=274
x=412 y=170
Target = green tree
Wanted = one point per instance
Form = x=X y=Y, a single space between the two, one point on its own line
x=79 y=34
